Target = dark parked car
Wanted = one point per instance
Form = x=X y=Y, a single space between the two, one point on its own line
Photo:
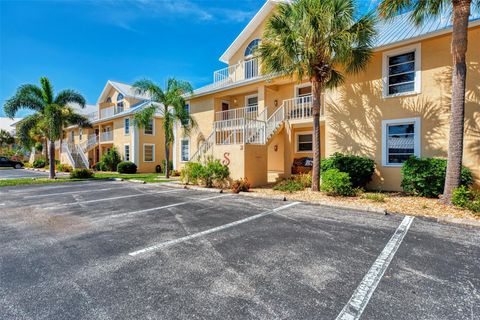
x=5 y=162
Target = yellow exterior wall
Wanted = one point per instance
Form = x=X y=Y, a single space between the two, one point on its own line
x=355 y=110
x=158 y=139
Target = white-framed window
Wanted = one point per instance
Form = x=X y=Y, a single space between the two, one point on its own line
x=126 y=152
x=401 y=71
x=149 y=128
x=185 y=150
x=304 y=141
x=400 y=140
x=127 y=126
x=148 y=152
x=187 y=112
x=302 y=90
x=251 y=102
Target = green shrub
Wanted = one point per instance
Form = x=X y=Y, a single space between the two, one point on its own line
x=240 y=185
x=64 y=167
x=375 y=197
x=215 y=173
x=111 y=159
x=100 y=166
x=289 y=185
x=211 y=173
x=170 y=165
x=305 y=179
x=126 y=167
x=38 y=147
x=337 y=183
x=39 y=163
x=360 y=169
x=466 y=198
x=461 y=196
x=191 y=172
x=426 y=176
x=81 y=174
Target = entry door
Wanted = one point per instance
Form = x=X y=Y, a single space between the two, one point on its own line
x=225 y=107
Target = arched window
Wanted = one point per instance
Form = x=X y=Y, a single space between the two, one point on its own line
x=251 y=47
x=119 y=97
x=108 y=100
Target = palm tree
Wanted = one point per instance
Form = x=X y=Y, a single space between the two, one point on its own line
x=50 y=115
x=317 y=40
x=170 y=104
x=460 y=12
x=6 y=139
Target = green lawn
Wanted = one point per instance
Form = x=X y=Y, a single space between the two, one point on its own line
x=147 y=177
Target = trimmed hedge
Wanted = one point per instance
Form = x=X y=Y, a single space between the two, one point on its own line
x=81 y=174
x=360 y=169
x=426 y=176
x=100 y=166
x=39 y=163
x=337 y=183
x=126 y=167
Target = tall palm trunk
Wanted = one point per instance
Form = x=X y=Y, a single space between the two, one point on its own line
x=316 y=92
x=45 y=148
x=461 y=12
x=52 y=160
x=167 y=158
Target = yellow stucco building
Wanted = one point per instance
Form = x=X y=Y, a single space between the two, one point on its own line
x=399 y=106
x=112 y=119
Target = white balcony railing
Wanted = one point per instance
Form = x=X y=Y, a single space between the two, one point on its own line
x=299 y=108
x=93 y=116
x=247 y=69
x=250 y=112
x=106 y=136
x=110 y=111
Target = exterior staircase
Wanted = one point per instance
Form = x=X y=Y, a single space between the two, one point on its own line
x=256 y=131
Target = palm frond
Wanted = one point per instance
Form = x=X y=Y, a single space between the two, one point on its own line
x=27 y=97
x=53 y=120
x=147 y=86
x=391 y=8
x=47 y=90
x=143 y=117
x=78 y=119
x=25 y=129
x=68 y=96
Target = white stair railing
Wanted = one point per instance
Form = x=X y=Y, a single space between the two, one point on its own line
x=254 y=132
x=82 y=156
x=204 y=147
x=66 y=150
x=89 y=143
x=250 y=112
x=275 y=120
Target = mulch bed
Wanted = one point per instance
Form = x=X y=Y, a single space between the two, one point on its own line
x=397 y=202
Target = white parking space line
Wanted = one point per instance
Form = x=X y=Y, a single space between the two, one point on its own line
x=165 y=207
x=359 y=300
x=209 y=231
x=73 y=192
x=114 y=198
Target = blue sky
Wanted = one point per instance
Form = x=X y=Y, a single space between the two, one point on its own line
x=82 y=44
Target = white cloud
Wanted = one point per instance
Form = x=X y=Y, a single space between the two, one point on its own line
x=124 y=14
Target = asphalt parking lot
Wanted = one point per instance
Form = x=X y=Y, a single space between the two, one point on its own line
x=117 y=250
x=7 y=173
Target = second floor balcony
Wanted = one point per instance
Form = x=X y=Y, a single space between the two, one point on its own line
x=106 y=136
x=243 y=70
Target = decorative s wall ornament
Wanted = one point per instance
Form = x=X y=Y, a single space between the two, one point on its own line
x=275 y=148
x=226 y=159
